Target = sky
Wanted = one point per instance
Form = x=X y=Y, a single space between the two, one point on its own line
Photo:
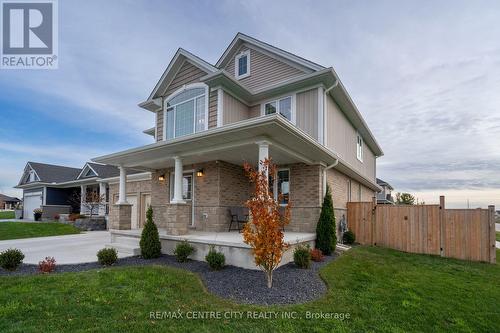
x=424 y=74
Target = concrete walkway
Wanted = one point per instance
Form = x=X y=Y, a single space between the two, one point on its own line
x=69 y=249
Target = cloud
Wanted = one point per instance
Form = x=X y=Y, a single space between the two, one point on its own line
x=425 y=76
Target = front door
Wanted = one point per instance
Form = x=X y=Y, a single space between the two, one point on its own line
x=132 y=199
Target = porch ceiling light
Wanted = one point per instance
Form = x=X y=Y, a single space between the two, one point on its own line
x=199 y=173
x=161 y=178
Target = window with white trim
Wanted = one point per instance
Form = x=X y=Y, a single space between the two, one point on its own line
x=90 y=173
x=359 y=147
x=283 y=106
x=186 y=113
x=280 y=185
x=187 y=186
x=242 y=65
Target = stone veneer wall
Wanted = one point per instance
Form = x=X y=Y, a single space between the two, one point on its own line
x=136 y=188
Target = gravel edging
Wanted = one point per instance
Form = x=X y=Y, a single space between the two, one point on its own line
x=291 y=284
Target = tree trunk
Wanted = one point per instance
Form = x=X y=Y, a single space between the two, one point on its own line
x=269 y=279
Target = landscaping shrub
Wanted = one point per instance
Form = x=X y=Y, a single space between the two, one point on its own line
x=317 y=255
x=150 y=239
x=107 y=256
x=216 y=260
x=349 y=237
x=48 y=265
x=11 y=259
x=37 y=214
x=326 y=238
x=182 y=251
x=302 y=256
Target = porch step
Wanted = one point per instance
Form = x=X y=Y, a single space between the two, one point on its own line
x=125 y=248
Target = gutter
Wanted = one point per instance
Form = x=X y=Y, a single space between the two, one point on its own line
x=334 y=164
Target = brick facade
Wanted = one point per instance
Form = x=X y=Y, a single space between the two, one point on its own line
x=225 y=185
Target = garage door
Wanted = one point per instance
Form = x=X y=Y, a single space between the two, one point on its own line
x=31 y=202
x=132 y=199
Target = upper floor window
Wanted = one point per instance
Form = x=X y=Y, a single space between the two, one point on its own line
x=186 y=112
x=242 y=65
x=283 y=106
x=359 y=147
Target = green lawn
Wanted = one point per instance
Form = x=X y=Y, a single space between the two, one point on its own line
x=7 y=215
x=15 y=230
x=381 y=289
x=498 y=236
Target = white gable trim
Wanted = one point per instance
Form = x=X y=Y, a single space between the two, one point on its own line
x=86 y=168
x=272 y=49
x=182 y=55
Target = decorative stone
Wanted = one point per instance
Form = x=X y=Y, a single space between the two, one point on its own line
x=91 y=223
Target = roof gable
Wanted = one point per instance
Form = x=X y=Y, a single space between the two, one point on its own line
x=273 y=51
x=265 y=69
x=180 y=57
x=49 y=173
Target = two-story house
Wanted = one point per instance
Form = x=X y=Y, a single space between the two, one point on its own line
x=256 y=102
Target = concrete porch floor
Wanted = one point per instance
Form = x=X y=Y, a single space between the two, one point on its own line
x=237 y=253
x=225 y=238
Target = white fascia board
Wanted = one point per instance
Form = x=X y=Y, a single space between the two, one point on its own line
x=181 y=55
x=130 y=178
x=241 y=38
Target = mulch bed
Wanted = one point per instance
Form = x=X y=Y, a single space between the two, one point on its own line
x=290 y=284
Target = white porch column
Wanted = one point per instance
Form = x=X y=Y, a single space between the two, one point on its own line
x=102 y=192
x=122 y=189
x=178 y=181
x=83 y=197
x=263 y=152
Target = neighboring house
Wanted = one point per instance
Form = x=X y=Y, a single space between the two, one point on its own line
x=7 y=202
x=256 y=102
x=384 y=197
x=55 y=188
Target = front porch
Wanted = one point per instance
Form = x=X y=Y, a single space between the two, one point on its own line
x=237 y=253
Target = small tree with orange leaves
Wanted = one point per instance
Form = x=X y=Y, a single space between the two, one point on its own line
x=264 y=231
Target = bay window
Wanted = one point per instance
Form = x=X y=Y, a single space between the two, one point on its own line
x=186 y=112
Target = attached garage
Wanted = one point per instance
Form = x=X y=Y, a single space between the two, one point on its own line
x=32 y=200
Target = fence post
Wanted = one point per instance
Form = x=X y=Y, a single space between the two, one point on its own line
x=374 y=221
x=492 y=247
x=442 y=224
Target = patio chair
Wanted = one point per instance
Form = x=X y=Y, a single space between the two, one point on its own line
x=238 y=215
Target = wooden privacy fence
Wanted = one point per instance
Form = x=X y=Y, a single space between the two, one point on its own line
x=467 y=234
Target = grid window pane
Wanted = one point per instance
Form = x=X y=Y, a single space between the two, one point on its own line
x=170 y=123
x=187 y=187
x=184 y=118
x=200 y=114
x=270 y=108
x=242 y=65
x=185 y=95
x=286 y=108
x=284 y=186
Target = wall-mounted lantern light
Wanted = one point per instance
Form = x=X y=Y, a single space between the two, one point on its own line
x=199 y=173
x=161 y=178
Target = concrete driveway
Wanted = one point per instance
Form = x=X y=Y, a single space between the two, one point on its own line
x=69 y=249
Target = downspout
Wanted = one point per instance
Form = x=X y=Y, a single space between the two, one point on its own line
x=325 y=132
x=334 y=164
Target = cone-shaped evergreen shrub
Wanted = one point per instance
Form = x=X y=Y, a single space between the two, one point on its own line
x=150 y=239
x=326 y=237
